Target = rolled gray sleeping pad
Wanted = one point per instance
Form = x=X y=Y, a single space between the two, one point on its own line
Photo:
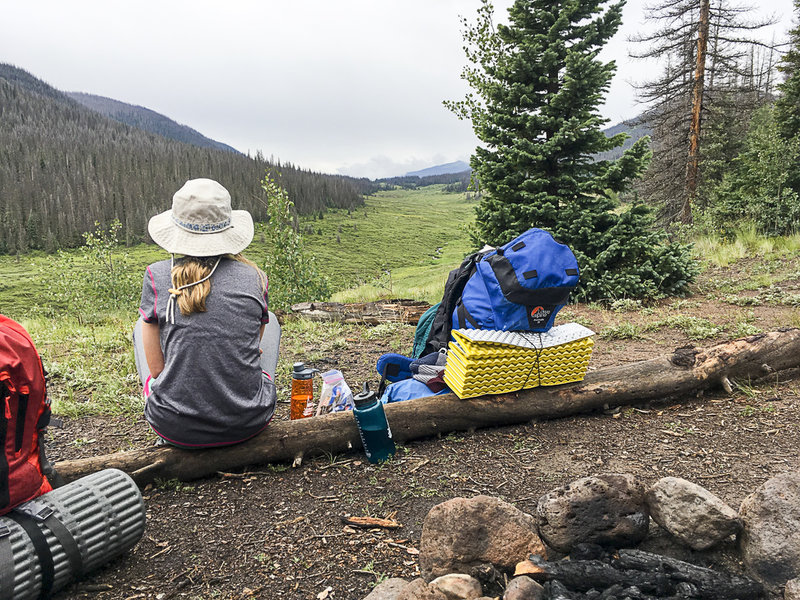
x=85 y=524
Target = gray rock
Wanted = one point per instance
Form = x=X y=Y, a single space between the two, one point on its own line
x=457 y=586
x=523 y=588
x=461 y=534
x=691 y=513
x=608 y=509
x=792 y=590
x=387 y=590
x=419 y=590
x=770 y=538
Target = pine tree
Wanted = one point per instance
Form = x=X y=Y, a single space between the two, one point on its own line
x=787 y=107
x=757 y=188
x=537 y=87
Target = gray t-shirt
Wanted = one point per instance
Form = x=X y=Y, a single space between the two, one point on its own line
x=212 y=391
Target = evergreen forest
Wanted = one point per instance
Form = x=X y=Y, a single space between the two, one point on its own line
x=65 y=167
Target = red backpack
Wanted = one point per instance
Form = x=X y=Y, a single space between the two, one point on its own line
x=24 y=413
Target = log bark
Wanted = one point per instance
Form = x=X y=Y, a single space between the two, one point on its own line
x=683 y=373
x=369 y=313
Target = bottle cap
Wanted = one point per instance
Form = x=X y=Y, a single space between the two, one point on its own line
x=365 y=396
x=300 y=371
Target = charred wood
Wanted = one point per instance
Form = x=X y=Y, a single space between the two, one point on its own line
x=708 y=582
x=641 y=575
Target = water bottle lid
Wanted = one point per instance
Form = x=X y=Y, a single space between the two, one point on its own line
x=300 y=371
x=365 y=396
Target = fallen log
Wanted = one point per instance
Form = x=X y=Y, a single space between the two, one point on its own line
x=369 y=313
x=685 y=372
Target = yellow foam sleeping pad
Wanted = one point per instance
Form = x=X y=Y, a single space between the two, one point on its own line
x=481 y=361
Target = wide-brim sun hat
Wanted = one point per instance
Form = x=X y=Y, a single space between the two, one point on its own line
x=201 y=222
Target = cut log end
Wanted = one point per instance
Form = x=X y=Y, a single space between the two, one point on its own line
x=528 y=567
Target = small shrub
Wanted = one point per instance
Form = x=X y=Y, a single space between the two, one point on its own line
x=292 y=272
x=100 y=278
x=741 y=300
x=695 y=328
x=744 y=329
x=567 y=316
x=625 y=305
x=380 y=331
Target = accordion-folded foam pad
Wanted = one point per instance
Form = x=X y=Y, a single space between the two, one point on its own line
x=481 y=361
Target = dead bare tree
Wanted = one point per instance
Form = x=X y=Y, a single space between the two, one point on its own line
x=712 y=64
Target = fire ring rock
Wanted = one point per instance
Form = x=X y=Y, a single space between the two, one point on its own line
x=608 y=509
x=770 y=538
x=462 y=534
x=458 y=586
x=419 y=590
x=691 y=513
x=792 y=590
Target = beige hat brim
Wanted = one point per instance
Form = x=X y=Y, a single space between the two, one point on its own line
x=177 y=240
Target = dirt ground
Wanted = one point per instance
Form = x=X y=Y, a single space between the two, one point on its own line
x=274 y=531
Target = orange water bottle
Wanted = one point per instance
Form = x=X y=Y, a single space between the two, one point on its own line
x=302 y=400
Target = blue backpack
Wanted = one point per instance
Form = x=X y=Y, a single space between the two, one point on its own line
x=520 y=286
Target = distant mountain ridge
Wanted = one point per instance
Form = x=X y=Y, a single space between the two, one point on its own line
x=633 y=127
x=458 y=166
x=147 y=120
x=65 y=167
x=635 y=130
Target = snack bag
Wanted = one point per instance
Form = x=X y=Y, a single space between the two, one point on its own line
x=336 y=394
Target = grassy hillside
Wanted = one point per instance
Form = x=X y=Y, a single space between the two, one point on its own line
x=412 y=234
x=408 y=233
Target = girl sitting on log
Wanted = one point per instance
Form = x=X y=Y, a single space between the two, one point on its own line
x=205 y=345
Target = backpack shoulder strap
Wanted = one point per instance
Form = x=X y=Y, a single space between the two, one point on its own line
x=453 y=288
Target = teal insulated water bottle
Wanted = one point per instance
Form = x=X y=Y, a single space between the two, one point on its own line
x=373 y=426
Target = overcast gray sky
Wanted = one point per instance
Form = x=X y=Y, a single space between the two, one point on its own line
x=341 y=86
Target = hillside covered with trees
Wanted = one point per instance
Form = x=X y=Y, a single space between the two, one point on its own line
x=147 y=120
x=64 y=167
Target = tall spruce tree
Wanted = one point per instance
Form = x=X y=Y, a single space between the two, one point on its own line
x=537 y=87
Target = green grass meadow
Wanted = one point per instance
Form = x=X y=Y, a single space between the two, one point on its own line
x=402 y=243
x=399 y=244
